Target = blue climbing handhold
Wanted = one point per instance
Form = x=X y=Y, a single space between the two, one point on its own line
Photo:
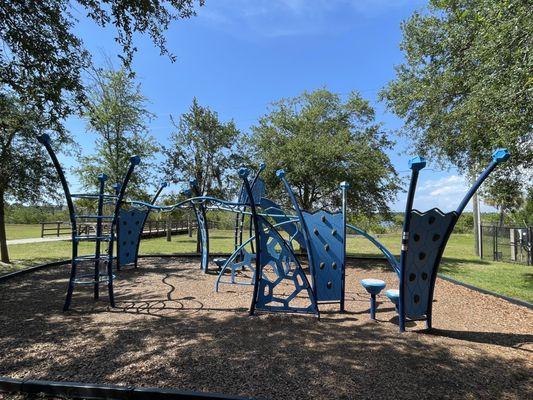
x=135 y=160
x=417 y=163
x=501 y=155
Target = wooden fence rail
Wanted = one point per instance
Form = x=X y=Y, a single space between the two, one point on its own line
x=151 y=228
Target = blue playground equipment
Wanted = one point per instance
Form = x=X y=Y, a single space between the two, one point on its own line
x=424 y=238
x=267 y=259
x=276 y=267
x=326 y=247
x=320 y=234
x=104 y=259
x=130 y=227
x=373 y=287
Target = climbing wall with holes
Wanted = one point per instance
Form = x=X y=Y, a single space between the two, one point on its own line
x=282 y=285
x=326 y=234
x=427 y=236
x=130 y=224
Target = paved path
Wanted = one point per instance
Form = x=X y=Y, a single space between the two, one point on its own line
x=38 y=240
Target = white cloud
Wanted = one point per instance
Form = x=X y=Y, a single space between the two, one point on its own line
x=444 y=193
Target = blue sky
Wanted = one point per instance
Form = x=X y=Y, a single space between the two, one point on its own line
x=238 y=56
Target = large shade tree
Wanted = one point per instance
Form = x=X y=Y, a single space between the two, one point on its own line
x=321 y=140
x=117 y=114
x=41 y=58
x=26 y=173
x=465 y=87
x=205 y=149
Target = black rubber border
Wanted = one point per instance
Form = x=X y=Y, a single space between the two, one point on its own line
x=78 y=390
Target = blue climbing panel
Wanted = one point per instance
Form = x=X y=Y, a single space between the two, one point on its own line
x=326 y=234
x=427 y=233
x=130 y=224
x=283 y=285
x=258 y=191
x=279 y=216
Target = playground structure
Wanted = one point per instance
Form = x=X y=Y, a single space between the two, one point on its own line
x=280 y=282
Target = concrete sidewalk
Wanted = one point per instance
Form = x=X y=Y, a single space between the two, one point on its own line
x=37 y=240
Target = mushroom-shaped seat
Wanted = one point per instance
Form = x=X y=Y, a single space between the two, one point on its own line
x=220 y=262
x=393 y=295
x=373 y=286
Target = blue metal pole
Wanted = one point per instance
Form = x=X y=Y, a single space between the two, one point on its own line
x=344 y=188
x=281 y=174
x=498 y=156
x=243 y=173
x=102 y=178
x=373 y=306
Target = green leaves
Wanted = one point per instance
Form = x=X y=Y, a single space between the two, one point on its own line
x=117 y=114
x=42 y=60
x=463 y=88
x=206 y=149
x=320 y=141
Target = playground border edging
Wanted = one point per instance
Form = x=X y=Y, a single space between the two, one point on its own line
x=79 y=390
x=512 y=300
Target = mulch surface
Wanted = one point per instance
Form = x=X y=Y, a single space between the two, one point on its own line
x=170 y=329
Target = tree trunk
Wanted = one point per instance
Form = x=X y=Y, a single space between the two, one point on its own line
x=3 y=238
x=502 y=215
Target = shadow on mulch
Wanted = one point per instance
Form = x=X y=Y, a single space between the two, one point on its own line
x=170 y=329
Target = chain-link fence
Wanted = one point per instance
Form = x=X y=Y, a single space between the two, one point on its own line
x=504 y=243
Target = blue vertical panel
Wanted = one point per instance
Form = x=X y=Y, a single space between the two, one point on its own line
x=428 y=234
x=326 y=233
x=282 y=280
x=279 y=216
x=202 y=227
x=130 y=224
x=258 y=191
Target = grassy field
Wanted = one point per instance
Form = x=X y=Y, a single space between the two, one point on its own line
x=459 y=260
x=23 y=231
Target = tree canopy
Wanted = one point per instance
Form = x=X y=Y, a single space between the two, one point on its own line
x=205 y=149
x=42 y=60
x=26 y=173
x=320 y=140
x=117 y=114
x=466 y=87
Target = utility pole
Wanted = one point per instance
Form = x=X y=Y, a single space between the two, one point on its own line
x=477 y=224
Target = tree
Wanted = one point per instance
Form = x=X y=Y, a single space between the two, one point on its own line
x=505 y=195
x=465 y=87
x=205 y=149
x=42 y=61
x=117 y=114
x=25 y=170
x=319 y=140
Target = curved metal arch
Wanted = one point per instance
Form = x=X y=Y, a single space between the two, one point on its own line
x=388 y=255
x=229 y=262
x=281 y=174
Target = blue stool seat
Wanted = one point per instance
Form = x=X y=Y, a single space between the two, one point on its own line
x=220 y=262
x=393 y=295
x=373 y=286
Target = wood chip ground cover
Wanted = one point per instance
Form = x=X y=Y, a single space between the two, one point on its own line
x=170 y=329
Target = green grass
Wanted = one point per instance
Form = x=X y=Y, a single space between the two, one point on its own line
x=23 y=231
x=459 y=260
